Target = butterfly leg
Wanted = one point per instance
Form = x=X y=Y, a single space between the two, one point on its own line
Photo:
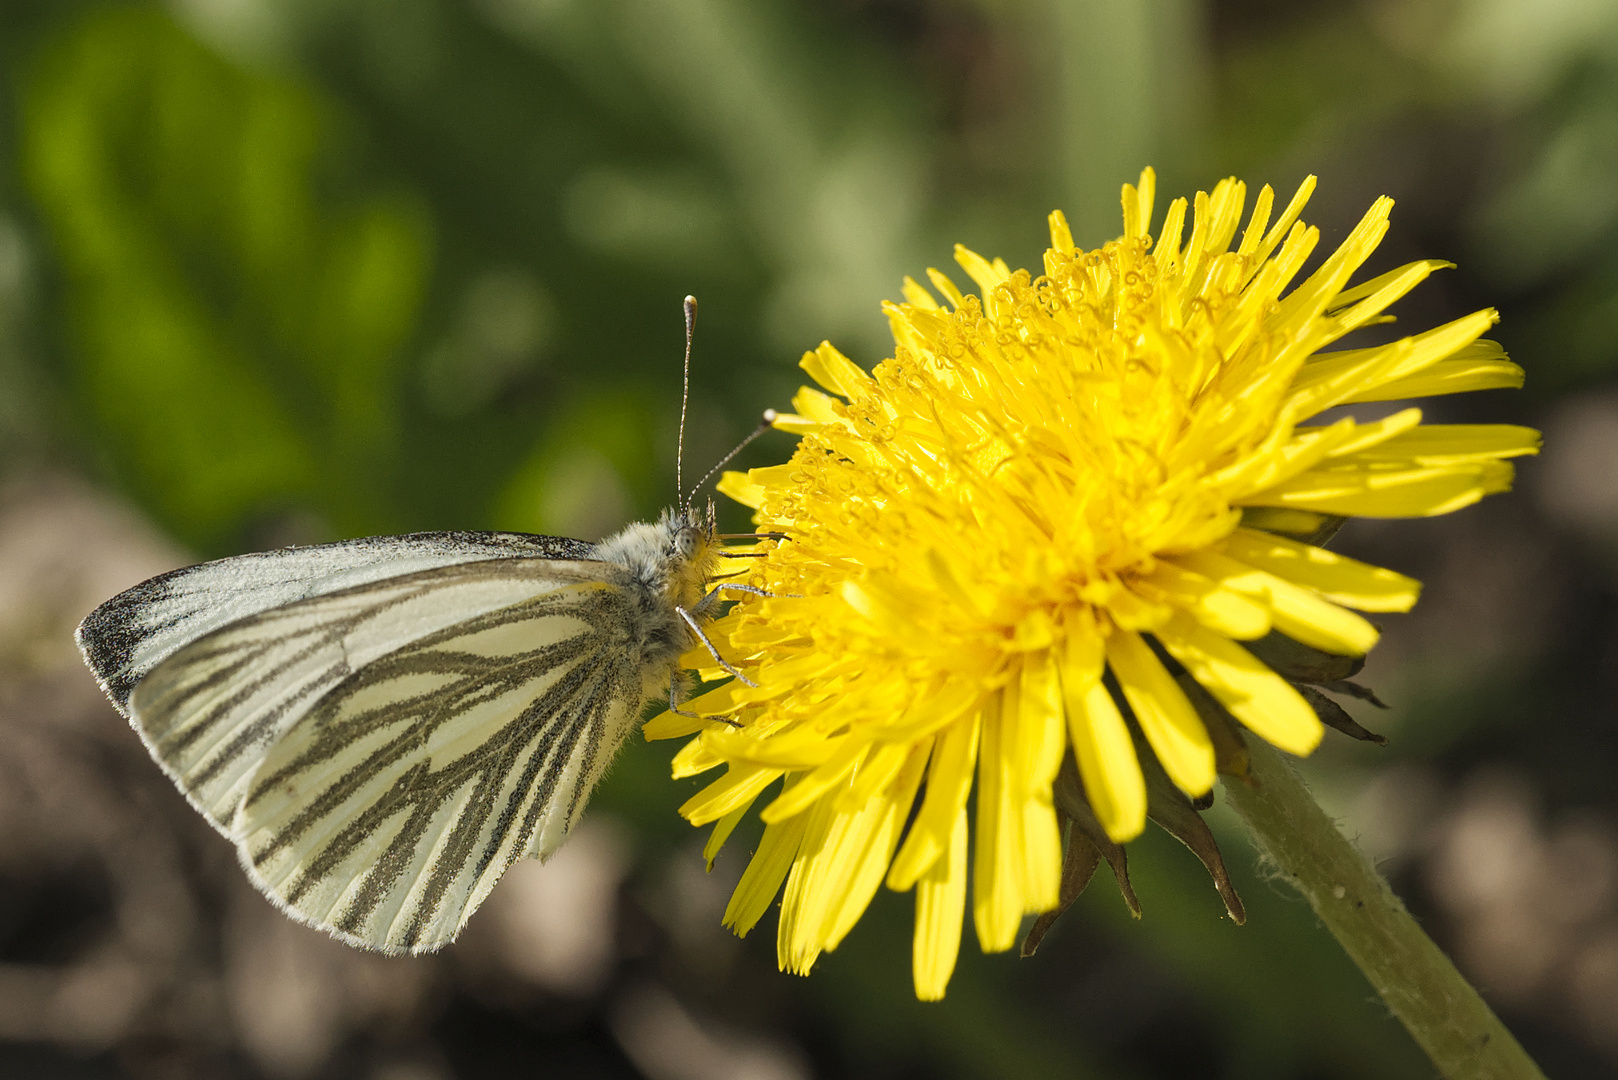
x=713 y=596
x=674 y=706
x=736 y=586
x=696 y=628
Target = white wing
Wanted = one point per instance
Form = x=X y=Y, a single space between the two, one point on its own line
x=382 y=754
x=129 y=635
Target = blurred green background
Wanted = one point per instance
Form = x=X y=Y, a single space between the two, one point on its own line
x=282 y=271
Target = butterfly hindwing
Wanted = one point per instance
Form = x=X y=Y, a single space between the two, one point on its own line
x=388 y=812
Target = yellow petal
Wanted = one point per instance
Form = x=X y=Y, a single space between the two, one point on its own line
x=841 y=865
x=1313 y=294
x=1289 y=217
x=1454 y=376
x=797 y=945
x=884 y=603
x=818 y=408
x=1167 y=248
x=1325 y=383
x=1336 y=577
x=738 y=787
x=694 y=758
x=878 y=770
x=944 y=285
x=1137 y=200
x=859 y=877
x=1368 y=312
x=707 y=707
x=1221 y=609
x=917 y=295
x=930 y=711
x=1419 y=492
x=1129 y=609
x=997 y=907
x=1035 y=755
x=1255 y=224
x=940 y=909
x=767 y=477
x=1295 y=611
x=740 y=487
x=1062 y=236
x=788 y=422
x=797 y=798
x=802 y=749
x=1169 y=721
x=912 y=328
x=764 y=874
x=980 y=270
x=839 y=874
x=836 y=372
x=671 y=725
x=1280 y=519
x=721 y=832
x=1268 y=467
x=1253 y=694
x=949 y=781
x=1101 y=744
x=1402 y=279
x=1368 y=436
x=1453 y=444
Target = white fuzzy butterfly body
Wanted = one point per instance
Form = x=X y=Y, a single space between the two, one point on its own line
x=383 y=726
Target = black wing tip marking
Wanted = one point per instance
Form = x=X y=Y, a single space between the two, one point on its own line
x=108 y=636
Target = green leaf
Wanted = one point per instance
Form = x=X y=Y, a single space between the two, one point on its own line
x=236 y=302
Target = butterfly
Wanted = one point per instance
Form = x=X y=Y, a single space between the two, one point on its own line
x=383 y=726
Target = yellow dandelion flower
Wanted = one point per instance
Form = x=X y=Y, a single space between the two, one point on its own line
x=1006 y=540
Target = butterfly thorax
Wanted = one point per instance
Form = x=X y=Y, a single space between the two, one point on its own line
x=672 y=560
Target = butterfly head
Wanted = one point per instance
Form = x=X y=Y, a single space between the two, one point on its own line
x=693 y=549
x=688 y=540
x=674 y=556
x=690 y=533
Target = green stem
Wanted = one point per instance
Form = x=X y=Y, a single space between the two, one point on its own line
x=1416 y=980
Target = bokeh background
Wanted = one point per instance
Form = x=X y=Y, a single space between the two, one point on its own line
x=278 y=271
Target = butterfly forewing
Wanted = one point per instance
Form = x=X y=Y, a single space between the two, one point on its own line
x=128 y=636
x=389 y=811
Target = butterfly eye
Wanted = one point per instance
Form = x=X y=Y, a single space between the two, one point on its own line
x=685 y=542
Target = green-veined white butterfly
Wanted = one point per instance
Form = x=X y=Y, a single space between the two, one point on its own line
x=383 y=726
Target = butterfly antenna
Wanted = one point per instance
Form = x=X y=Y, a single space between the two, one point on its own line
x=685 y=398
x=763 y=425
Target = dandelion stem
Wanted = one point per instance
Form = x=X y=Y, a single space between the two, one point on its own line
x=1417 y=981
